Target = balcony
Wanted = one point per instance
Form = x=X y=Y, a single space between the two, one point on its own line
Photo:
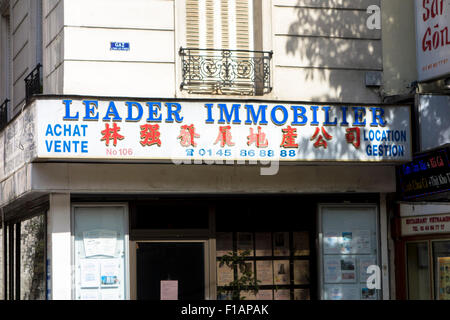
x=33 y=82
x=226 y=72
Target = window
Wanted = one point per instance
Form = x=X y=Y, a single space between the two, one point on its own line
x=101 y=253
x=223 y=48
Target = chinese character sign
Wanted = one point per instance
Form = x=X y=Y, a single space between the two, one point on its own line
x=164 y=131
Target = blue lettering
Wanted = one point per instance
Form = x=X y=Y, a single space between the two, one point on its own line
x=344 y=116
x=68 y=116
x=378 y=114
x=327 y=117
x=273 y=115
x=112 y=110
x=210 y=118
x=90 y=107
x=228 y=115
x=314 y=122
x=49 y=131
x=359 y=113
x=84 y=147
x=152 y=113
x=175 y=112
x=298 y=114
x=251 y=112
x=57 y=133
x=130 y=106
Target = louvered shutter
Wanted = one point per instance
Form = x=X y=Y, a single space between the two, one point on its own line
x=219 y=24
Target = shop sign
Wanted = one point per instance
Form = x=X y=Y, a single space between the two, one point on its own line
x=432 y=38
x=221 y=131
x=425 y=225
x=427 y=174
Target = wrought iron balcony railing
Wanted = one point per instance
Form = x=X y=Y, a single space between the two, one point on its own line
x=221 y=71
x=4 y=114
x=33 y=82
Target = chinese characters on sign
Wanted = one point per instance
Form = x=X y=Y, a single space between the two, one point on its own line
x=225 y=131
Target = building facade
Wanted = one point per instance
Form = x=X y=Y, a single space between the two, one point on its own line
x=151 y=138
x=419 y=78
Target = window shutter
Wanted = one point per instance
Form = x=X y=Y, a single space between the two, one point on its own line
x=219 y=24
x=192 y=24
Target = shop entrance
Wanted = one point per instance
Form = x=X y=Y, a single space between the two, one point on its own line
x=170 y=270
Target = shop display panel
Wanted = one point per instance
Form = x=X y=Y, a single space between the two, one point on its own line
x=279 y=260
x=349 y=246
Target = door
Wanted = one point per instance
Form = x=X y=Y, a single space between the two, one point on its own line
x=183 y=262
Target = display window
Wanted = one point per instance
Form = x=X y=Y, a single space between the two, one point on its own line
x=275 y=249
x=348 y=246
x=100 y=252
x=428 y=269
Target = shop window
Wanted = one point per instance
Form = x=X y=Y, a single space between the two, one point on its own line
x=32 y=259
x=101 y=253
x=349 y=246
x=441 y=259
x=280 y=257
x=418 y=272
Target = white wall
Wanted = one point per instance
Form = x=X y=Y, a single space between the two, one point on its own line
x=91 y=68
x=322 y=50
x=59 y=251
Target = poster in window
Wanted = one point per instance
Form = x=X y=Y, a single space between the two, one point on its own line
x=224 y=243
x=263 y=244
x=110 y=271
x=348 y=269
x=364 y=263
x=332 y=269
x=363 y=243
x=282 y=294
x=341 y=292
x=301 y=294
x=301 y=272
x=90 y=273
x=264 y=295
x=245 y=242
x=444 y=278
x=281 y=271
x=368 y=294
x=301 y=243
x=347 y=242
x=100 y=242
x=281 y=244
x=332 y=242
x=225 y=274
x=264 y=272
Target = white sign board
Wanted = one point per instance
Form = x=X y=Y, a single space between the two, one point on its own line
x=425 y=225
x=221 y=131
x=432 y=38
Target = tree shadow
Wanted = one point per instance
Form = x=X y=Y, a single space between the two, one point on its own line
x=332 y=48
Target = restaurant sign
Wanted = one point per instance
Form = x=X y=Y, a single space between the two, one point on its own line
x=427 y=174
x=432 y=38
x=221 y=131
x=425 y=225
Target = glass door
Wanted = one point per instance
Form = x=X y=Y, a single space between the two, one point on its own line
x=441 y=260
x=418 y=270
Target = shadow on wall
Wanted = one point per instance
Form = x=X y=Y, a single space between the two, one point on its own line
x=434 y=118
x=331 y=49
